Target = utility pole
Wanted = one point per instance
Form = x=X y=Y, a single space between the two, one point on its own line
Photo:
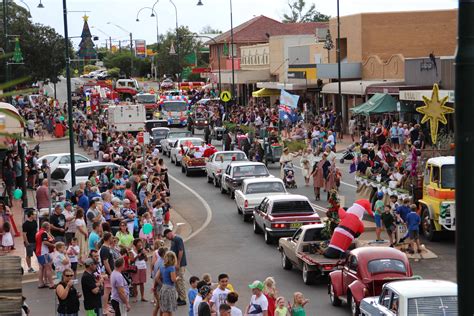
x=131 y=55
x=110 y=40
x=339 y=96
x=5 y=34
x=232 y=49
x=464 y=132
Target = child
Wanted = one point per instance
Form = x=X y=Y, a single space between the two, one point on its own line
x=72 y=252
x=281 y=309
x=206 y=277
x=378 y=210
x=231 y=300
x=298 y=304
x=146 y=219
x=7 y=238
x=192 y=293
x=394 y=203
x=413 y=222
x=388 y=221
x=158 y=217
x=61 y=260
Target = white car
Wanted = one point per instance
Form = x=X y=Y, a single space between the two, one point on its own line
x=55 y=160
x=253 y=191
x=176 y=154
x=413 y=297
x=217 y=163
x=61 y=179
x=170 y=139
x=236 y=172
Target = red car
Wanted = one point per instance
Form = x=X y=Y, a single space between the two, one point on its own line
x=363 y=274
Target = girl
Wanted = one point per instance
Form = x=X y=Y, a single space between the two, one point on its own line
x=298 y=304
x=166 y=276
x=124 y=236
x=281 y=309
x=146 y=219
x=270 y=292
x=81 y=235
x=72 y=252
x=7 y=238
x=61 y=260
x=139 y=258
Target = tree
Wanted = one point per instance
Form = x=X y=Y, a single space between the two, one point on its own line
x=207 y=29
x=299 y=14
x=121 y=60
x=86 y=46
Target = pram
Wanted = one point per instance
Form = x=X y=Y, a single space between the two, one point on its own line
x=348 y=154
x=289 y=176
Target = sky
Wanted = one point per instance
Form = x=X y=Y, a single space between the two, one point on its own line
x=215 y=13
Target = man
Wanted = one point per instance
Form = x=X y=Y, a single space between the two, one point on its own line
x=258 y=303
x=120 y=292
x=128 y=215
x=107 y=260
x=70 y=222
x=363 y=166
x=93 y=215
x=58 y=224
x=129 y=195
x=94 y=236
x=82 y=200
x=91 y=288
x=44 y=242
x=30 y=126
x=219 y=296
x=29 y=228
x=42 y=196
x=177 y=246
x=225 y=310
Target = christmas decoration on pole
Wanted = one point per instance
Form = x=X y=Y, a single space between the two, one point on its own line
x=328 y=43
x=434 y=111
x=17 y=55
x=86 y=46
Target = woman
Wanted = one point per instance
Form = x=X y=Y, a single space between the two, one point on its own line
x=139 y=258
x=318 y=175
x=124 y=236
x=166 y=276
x=333 y=179
x=285 y=158
x=271 y=293
x=115 y=215
x=306 y=164
x=106 y=205
x=93 y=178
x=81 y=235
x=67 y=294
x=164 y=171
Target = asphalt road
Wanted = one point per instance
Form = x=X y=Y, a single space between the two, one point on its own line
x=228 y=245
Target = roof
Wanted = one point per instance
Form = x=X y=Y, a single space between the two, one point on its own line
x=379 y=103
x=260 y=180
x=287 y=197
x=422 y=288
x=160 y=128
x=229 y=152
x=442 y=161
x=260 y=28
x=374 y=253
x=264 y=92
x=246 y=163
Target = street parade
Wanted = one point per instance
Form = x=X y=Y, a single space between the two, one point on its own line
x=295 y=164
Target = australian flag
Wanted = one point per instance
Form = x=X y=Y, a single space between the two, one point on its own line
x=285 y=112
x=288 y=104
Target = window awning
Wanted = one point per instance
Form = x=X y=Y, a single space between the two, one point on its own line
x=357 y=87
x=264 y=92
x=380 y=103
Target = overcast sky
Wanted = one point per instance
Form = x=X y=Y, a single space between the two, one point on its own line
x=215 y=13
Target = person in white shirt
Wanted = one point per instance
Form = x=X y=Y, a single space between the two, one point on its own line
x=258 y=303
x=232 y=299
x=198 y=298
x=219 y=295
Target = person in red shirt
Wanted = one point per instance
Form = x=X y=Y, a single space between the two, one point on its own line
x=131 y=196
x=44 y=246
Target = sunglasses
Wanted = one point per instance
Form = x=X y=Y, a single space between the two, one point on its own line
x=69 y=275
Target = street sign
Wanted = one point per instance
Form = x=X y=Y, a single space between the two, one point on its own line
x=226 y=96
x=146 y=138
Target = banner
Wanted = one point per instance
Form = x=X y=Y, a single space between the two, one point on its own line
x=140 y=48
x=288 y=99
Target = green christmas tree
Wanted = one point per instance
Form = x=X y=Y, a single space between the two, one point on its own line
x=17 y=55
x=86 y=46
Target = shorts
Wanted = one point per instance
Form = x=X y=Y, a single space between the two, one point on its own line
x=394 y=140
x=74 y=266
x=414 y=234
x=139 y=277
x=89 y=143
x=94 y=312
x=159 y=229
x=378 y=220
x=30 y=249
x=119 y=309
x=391 y=229
x=44 y=259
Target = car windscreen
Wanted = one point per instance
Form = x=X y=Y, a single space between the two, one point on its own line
x=147 y=98
x=176 y=135
x=292 y=207
x=59 y=173
x=265 y=187
x=249 y=171
x=433 y=306
x=447 y=177
x=191 y=142
x=231 y=157
x=386 y=266
x=174 y=106
x=49 y=159
x=159 y=133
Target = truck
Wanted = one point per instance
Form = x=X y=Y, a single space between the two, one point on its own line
x=174 y=112
x=413 y=297
x=149 y=100
x=127 y=117
x=304 y=251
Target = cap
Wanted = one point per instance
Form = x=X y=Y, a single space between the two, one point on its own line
x=257 y=285
x=380 y=194
x=89 y=262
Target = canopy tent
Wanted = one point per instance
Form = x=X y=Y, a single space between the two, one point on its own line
x=379 y=103
x=265 y=92
x=13 y=123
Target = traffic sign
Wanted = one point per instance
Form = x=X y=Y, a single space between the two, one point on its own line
x=226 y=96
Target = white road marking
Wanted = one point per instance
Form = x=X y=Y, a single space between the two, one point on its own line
x=206 y=206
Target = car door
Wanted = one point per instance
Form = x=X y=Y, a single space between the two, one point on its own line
x=239 y=197
x=262 y=213
x=388 y=302
x=292 y=245
x=226 y=177
x=349 y=273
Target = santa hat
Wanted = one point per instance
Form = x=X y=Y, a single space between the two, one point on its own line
x=365 y=204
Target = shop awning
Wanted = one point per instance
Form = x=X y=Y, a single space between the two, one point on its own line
x=355 y=87
x=13 y=122
x=264 y=92
x=379 y=103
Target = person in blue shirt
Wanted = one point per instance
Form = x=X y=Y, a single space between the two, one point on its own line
x=82 y=200
x=402 y=212
x=192 y=293
x=94 y=236
x=413 y=222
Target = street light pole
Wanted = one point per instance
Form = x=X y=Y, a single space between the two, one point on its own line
x=177 y=41
x=69 y=99
x=339 y=97
x=5 y=34
x=232 y=48
x=153 y=14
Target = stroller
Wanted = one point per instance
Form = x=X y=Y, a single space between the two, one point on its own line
x=289 y=176
x=348 y=154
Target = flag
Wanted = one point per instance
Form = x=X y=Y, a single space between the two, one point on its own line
x=288 y=103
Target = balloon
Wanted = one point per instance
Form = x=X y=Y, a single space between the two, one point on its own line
x=17 y=194
x=147 y=228
x=61 y=118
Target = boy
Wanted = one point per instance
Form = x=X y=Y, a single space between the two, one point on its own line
x=219 y=295
x=389 y=222
x=192 y=293
x=413 y=222
x=72 y=252
x=378 y=210
x=232 y=299
x=394 y=202
x=402 y=212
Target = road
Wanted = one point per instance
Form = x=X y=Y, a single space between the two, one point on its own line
x=228 y=245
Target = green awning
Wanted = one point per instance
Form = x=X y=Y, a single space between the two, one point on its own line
x=379 y=103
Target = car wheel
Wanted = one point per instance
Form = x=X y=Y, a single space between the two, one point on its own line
x=239 y=211
x=341 y=160
x=223 y=191
x=428 y=227
x=182 y=169
x=232 y=195
x=247 y=217
x=176 y=162
x=335 y=301
x=256 y=229
x=209 y=179
x=285 y=262
x=355 y=311
x=188 y=173
x=216 y=182
x=268 y=238
x=308 y=276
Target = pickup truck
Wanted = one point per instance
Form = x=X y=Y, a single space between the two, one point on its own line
x=170 y=140
x=413 y=297
x=219 y=161
x=180 y=147
x=304 y=251
x=253 y=191
x=364 y=273
x=236 y=172
x=282 y=215
x=191 y=162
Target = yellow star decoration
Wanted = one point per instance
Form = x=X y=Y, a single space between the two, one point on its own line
x=85 y=17
x=434 y=111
